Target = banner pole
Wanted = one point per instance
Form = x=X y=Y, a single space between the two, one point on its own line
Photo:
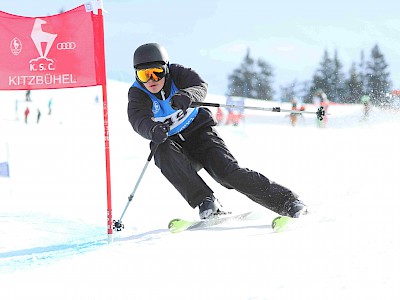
x=108 y=169
x=106 y=130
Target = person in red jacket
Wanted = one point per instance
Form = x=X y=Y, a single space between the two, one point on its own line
x=159 y=109
x=294 y=116
x=219 y=115
x=26 y=113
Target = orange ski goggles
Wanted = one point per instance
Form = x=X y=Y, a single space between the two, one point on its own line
x=155 y=73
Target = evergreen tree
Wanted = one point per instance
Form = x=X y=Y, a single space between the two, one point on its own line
x=354 y=86
x=378 y=81
x=305 y=91
x=289 y=91
x=321 y=79
x=330 y=78
x=239 y=79
x=253 y=79
x=338 y=92
x=362 y=74
x=262 y=83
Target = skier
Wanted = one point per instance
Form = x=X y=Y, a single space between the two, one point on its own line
x=26 y=113
x=38 y=116
x=219 y=115
x=365 y=100
x=294 y=116
x=50 y=105
x=320 y=99
x=28 y=96
x=159 y=109
x=234 y=115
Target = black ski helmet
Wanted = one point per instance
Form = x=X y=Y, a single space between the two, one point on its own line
x=149 y=53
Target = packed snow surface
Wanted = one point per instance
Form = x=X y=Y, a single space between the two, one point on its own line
x=53 y=212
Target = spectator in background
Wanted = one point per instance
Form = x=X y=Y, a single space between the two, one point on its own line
x=365 y=100
x=219 y=115
x=38 y=116
x=294 y=116
x=16 y=109
x=26 y=113
x=50 y=105
x=28 y=96
x=325 y=105
x=235 y=113
x=230 y=117
x=320 y=99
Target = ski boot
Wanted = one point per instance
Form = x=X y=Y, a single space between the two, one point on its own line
x=210 y=208
x=295 y=209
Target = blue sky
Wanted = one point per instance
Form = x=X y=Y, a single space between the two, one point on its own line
x=212 y=36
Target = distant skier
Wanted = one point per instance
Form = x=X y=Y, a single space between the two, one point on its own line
x=50 y=106
x=219 y=115
x=28 y=96
x=320 y=99
x=16 y=109
x=38 y=115
x=365 y=100
x=159 y=110
x=235 y=115
x=26 y=113
x=294 y=116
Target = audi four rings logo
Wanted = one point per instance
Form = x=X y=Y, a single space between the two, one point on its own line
x=66 y=46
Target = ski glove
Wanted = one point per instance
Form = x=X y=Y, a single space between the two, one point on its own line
x=159 y=133
x=181 y=101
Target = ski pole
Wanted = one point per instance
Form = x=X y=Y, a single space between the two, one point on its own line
x=320 y=112
x=117 y=225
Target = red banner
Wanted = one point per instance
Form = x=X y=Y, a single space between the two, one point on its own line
x=59 y=51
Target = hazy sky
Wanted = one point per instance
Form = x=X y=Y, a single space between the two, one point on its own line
x=212 y=36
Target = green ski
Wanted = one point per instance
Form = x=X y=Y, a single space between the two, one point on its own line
x=281 y=223
x=179 y=225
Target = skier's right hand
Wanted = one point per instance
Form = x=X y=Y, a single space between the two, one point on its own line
x=159 y=133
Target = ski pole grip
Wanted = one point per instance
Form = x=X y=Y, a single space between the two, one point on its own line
x=197 y=103
x=152 y=152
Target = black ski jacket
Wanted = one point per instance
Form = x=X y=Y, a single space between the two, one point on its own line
x=187 y=80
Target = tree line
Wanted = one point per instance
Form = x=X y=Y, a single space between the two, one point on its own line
x=254 y=78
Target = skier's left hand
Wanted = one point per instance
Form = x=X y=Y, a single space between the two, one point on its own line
x=181 y=101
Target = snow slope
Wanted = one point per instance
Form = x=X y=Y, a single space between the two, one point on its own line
x=53 y=208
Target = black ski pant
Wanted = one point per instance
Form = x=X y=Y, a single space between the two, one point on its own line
x=180 y=160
